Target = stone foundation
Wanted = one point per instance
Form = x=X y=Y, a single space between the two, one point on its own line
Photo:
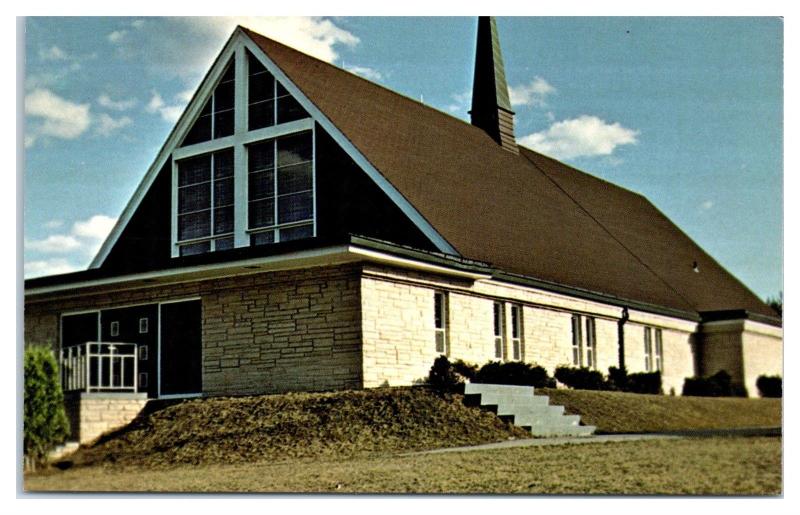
x=92 y=414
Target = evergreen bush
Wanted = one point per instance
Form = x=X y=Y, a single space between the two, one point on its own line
x=45 y=422
x=770 y=386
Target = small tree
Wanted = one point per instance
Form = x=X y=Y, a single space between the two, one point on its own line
x=45 y=422
x=770 y=386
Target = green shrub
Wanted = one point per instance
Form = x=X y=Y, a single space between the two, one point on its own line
x=582 y=378
x=464 y=369
x=45 y=422
x=770 y=386
x=448 y=377
x=514 y=373
x=718 y=385
x=617 y=379
x=644 y=382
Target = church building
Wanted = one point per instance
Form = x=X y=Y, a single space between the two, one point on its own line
x=305 y=229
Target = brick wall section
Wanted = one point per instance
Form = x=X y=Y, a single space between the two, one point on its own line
x=93 y=414
x=262 y=333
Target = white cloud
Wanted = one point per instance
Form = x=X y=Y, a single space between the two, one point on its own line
x=55 y=116
x=312 y=35
x=187 y=46
x=45 y=267
x=97 y=227
x=115 y=105
x=460 y=102
x=105 y=124
x=83 y=239
x=580 y=137
x=169 y=113
x=54 y=244
x=708 y=204
x=117 y=36
x=53 y=224
x=52 y=54
x=185 y=95
x=137 y=24
x=366 y=72
x=532 y=94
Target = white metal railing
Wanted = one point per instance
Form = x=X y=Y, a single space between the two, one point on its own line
x=99 y=367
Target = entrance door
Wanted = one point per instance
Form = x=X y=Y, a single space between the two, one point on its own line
x=181 y=348
x=139 y=325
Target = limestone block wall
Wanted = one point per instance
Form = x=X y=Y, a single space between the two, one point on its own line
x=92 y=414
x=398 y=321
x=722 y=349
x=262 y=333
x=762 y=353
x=548 y=337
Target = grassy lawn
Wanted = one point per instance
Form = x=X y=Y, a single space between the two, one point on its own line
x=617 y=412
x=707 y=466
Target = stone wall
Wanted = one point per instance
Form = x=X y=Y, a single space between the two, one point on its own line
x=398 y=321
x=92 y=414
x=762 y=353
x=262 y=332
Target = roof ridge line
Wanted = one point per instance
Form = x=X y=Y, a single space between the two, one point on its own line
x=608 y=231
x=397 y=93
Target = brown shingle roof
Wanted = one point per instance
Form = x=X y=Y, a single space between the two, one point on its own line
x=526 y=214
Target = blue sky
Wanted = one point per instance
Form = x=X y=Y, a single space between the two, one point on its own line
x=687 y=111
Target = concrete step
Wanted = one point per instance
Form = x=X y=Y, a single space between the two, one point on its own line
x=518 y=405
x=502 y=389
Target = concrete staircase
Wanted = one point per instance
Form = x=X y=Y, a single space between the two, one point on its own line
x=518 y=405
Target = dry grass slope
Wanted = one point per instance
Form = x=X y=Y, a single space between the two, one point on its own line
x=297 y=425
x=617 y=412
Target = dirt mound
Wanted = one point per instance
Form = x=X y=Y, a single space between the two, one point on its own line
x=296 y=425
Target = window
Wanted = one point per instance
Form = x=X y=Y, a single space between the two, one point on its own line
x=591 y=344
x=577 y=341
x=499 y=322
x=265 y=178
x=143 y=325
x=217 y=115
x=516 y=332
x=440 y=322
x=281 y=189
x=142 y=379
x=268 y=102
x=114 y=329
x=143 y=353
x=205 y=203
x=658 y=354
x=648 y=349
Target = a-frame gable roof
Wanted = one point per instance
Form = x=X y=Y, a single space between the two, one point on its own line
x=240 y=38
x=510 y=210
x=174 y=138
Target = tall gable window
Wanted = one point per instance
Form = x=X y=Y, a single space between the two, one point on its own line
x=217 y=116
x=244 y=172
x=268 y=101
x=205 y=203
x=281 y=189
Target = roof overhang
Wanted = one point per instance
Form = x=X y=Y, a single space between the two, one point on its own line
x=357 y=250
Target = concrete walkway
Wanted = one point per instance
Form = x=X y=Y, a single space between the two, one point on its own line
x=540 y=442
